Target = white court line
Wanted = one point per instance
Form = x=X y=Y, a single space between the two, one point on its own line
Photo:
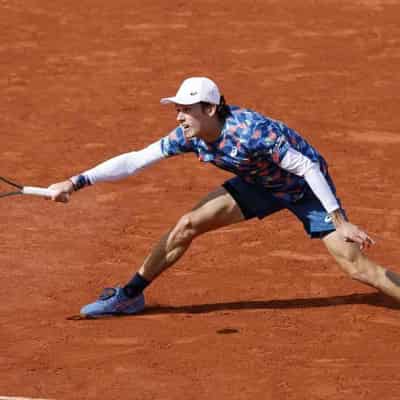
x=19 y=398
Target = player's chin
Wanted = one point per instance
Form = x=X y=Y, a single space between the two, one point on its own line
x=189 y=133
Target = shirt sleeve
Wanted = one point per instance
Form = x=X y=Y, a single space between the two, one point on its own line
x=295 y=162
x=300 y=165
x=120 y=167
x=175 y=143
x=318 y=184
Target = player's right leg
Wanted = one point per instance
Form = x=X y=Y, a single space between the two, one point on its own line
x=216 y=210
x=353 y=261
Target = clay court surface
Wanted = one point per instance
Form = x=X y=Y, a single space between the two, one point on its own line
x=254 y=311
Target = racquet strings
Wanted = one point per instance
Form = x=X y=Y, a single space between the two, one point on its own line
x=9 y=187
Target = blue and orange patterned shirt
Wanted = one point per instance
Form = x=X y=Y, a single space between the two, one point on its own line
x=250 y=146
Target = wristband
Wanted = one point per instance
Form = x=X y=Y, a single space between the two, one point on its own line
x=79 y=182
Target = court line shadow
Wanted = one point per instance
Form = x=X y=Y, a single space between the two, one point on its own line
x=375 y=299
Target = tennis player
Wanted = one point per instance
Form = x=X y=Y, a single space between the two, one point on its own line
x=275 y=169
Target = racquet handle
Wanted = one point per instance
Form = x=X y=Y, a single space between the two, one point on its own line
x=37 y=191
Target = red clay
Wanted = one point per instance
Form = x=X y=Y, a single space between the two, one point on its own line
x=256 y=311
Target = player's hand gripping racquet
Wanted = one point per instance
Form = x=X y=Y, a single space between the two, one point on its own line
x=13 y=189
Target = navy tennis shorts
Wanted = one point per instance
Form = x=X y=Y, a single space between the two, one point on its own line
x=256 y=201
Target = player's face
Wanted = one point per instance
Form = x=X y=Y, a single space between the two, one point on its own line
x=192 y=119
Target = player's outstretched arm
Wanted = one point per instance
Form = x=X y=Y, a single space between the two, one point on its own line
x=116 y=168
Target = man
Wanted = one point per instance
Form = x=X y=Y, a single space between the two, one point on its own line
x=275 y=169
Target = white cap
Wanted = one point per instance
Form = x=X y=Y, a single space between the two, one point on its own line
x=195 y=90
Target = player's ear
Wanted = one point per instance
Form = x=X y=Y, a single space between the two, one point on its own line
x=211 y=109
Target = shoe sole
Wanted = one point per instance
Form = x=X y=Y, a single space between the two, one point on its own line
x=107 y=315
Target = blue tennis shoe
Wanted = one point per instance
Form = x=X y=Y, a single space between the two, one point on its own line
x=113 y=301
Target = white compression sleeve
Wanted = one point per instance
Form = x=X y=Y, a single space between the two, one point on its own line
x=300 y=165
x=124 y=165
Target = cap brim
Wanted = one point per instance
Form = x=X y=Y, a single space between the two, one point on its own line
x=167 y=100
x=176 y=100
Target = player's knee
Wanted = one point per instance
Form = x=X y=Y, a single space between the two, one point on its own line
x=354 y=266
x=353 y=258
x=355 y=273
x=185 y=231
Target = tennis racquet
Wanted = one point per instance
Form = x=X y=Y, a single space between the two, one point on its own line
x=13 y=189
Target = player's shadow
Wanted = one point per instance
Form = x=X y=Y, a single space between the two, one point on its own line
x=374 y=299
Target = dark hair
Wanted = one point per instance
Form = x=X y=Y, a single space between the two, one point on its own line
x=223 y=110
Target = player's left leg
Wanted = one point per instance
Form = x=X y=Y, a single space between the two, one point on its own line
x=353 y=261
x=216 y=210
